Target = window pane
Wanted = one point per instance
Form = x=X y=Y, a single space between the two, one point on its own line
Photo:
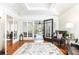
x=30 y=29
x=25 y=29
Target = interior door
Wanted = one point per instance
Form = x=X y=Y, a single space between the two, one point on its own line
x=48 y=28
x=10 y=29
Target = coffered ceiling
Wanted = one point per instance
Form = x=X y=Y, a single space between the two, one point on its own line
x=23 y=9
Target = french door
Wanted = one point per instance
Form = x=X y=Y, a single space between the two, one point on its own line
x=48 y=29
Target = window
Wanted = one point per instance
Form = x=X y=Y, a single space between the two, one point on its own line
x=30 y=29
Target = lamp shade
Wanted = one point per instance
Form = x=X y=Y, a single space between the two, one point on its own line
x=69 y=25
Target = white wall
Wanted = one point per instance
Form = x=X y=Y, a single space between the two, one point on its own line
x=70 y=16
x=2 y=34
x=2 y=29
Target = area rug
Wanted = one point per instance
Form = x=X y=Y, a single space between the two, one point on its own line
x=38 y=49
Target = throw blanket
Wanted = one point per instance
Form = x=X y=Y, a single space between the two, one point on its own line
x=38 y=49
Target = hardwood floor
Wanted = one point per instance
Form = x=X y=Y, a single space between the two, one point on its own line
x=12 y=48
x=64 y=50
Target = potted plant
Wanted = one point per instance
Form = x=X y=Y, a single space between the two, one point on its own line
x=65 y=35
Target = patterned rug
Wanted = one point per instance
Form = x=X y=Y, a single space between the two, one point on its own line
x=38 y=49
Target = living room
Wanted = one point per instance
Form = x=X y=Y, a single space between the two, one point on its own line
x=30 y=22
x=64 y=20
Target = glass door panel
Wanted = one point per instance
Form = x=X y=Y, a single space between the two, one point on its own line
x=25 y=29
x=9 y=29
x=30 y=29
x=15 y=30
x=38 y=27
